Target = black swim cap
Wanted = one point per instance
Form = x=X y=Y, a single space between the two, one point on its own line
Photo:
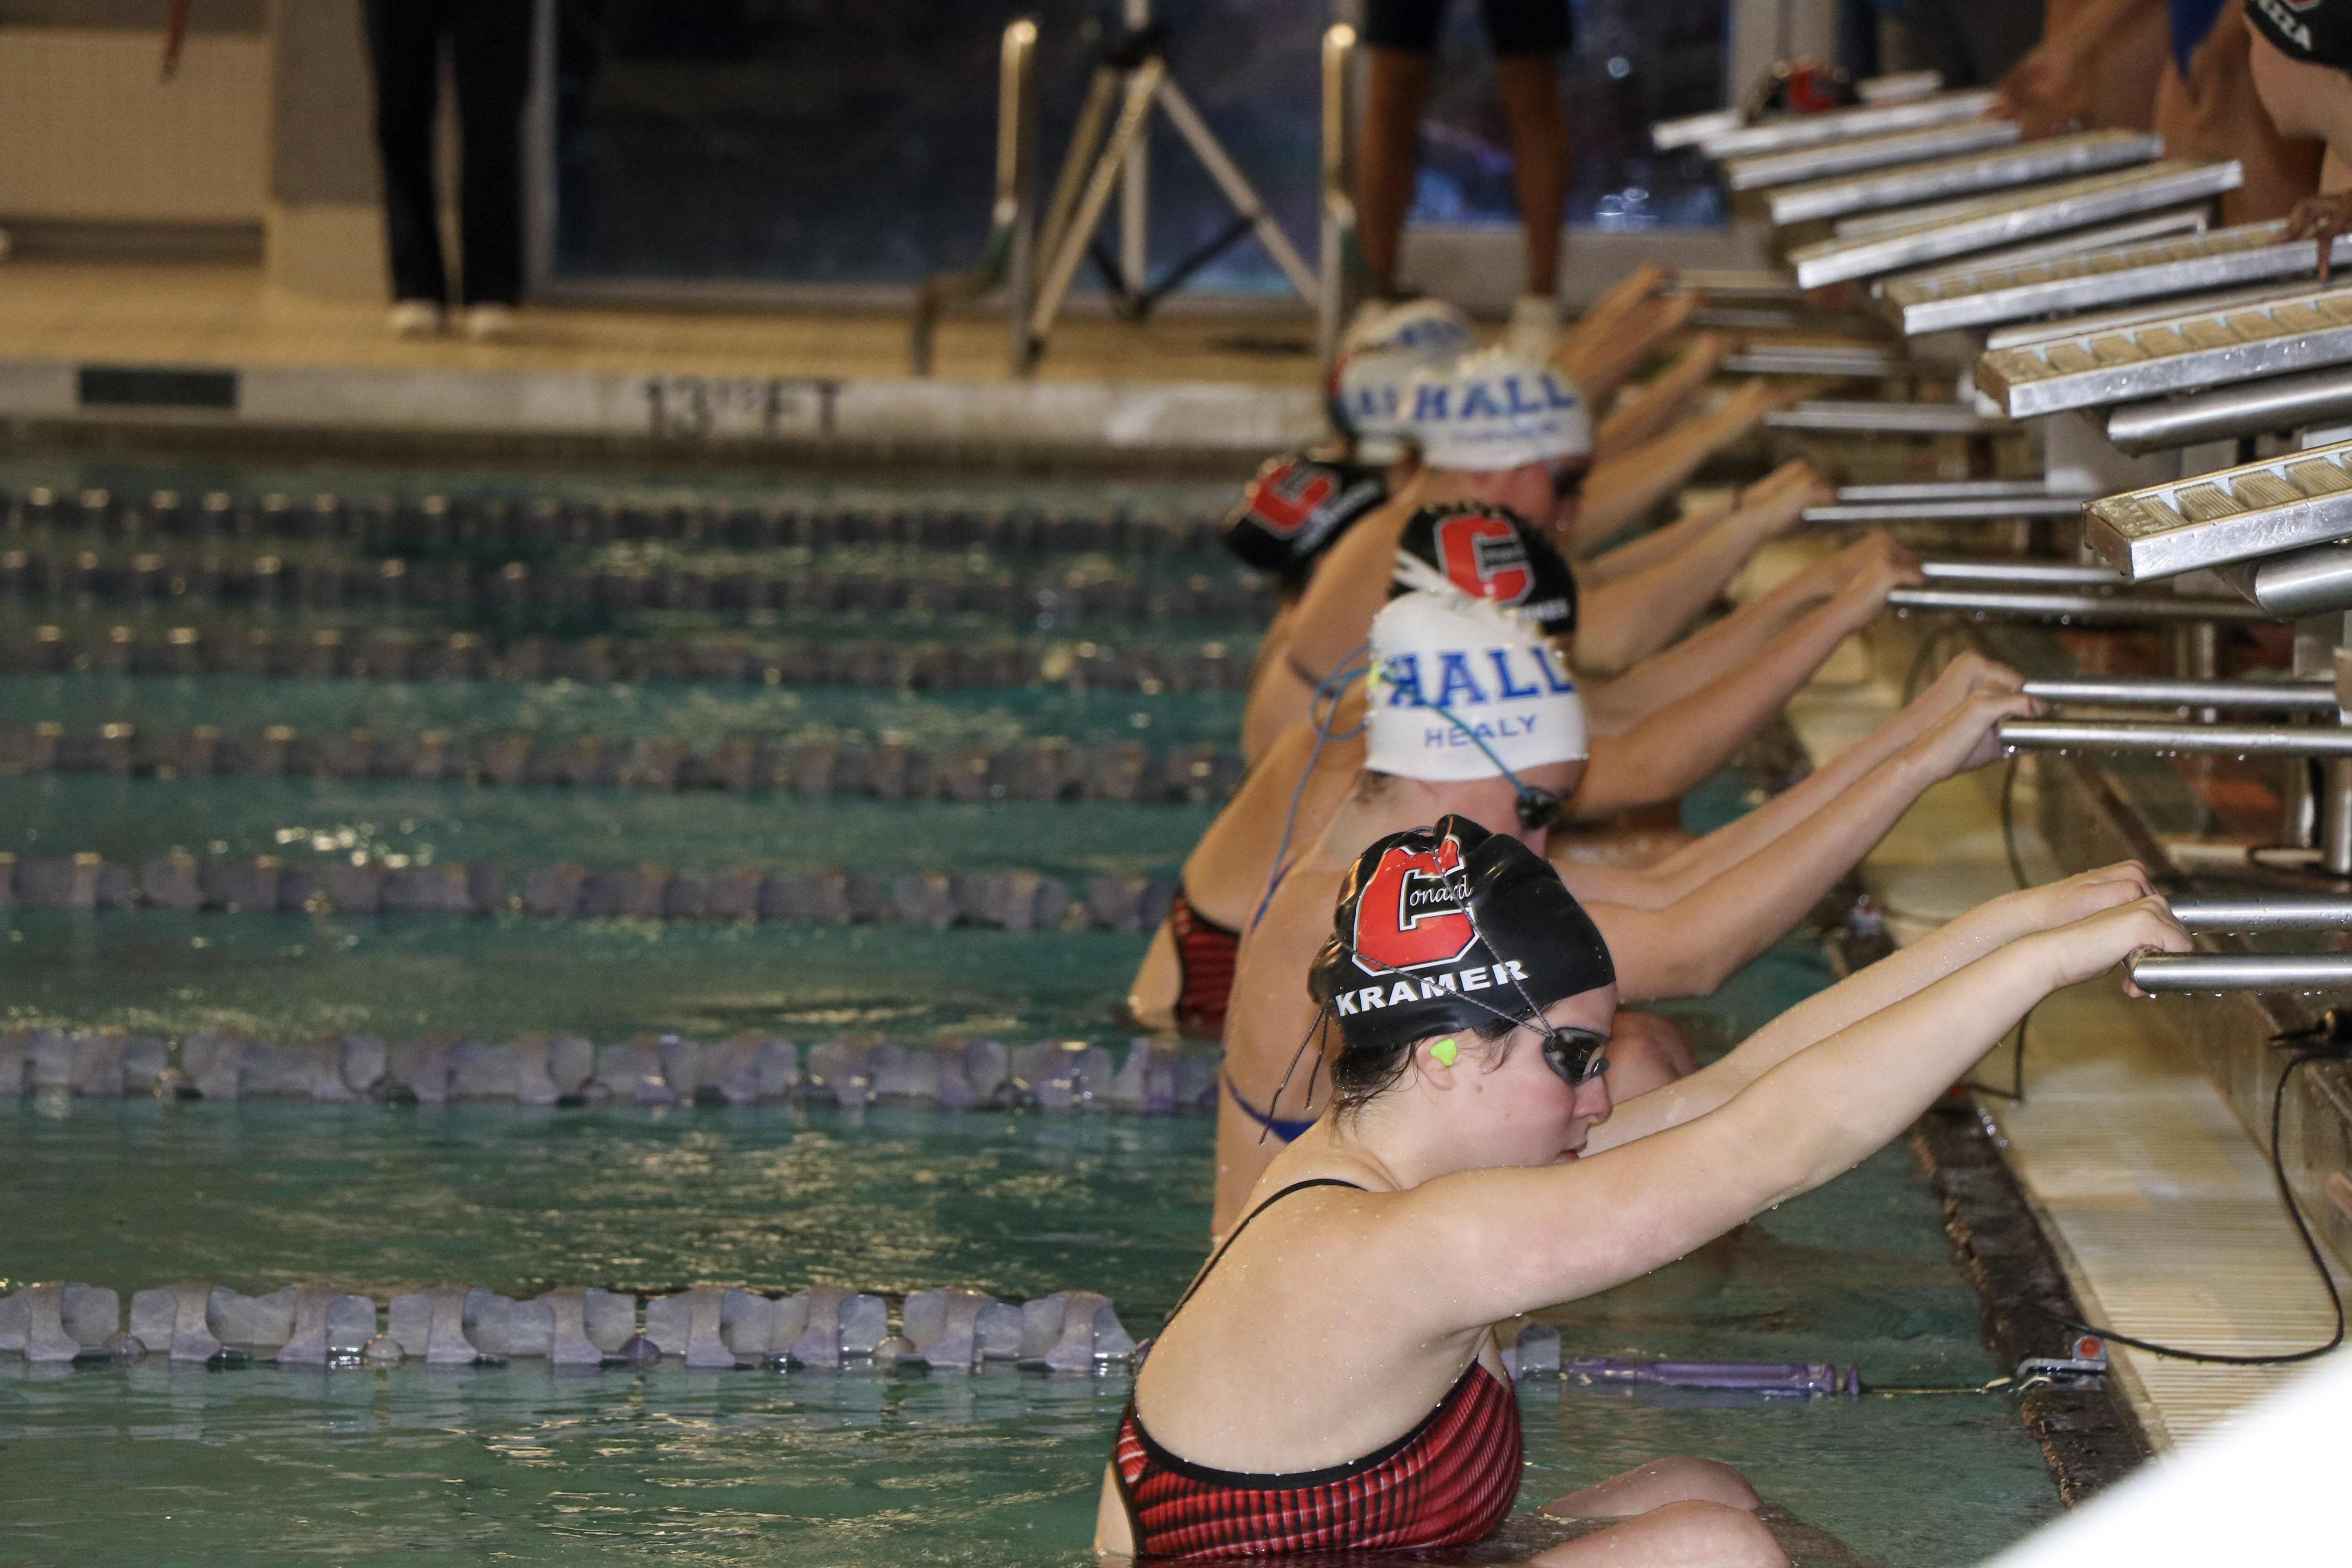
x=1448 y=928
x=2317 y=32
x=1297 y=508
x=1493 y=552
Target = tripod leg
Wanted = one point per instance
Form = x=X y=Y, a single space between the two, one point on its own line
x=1203 y=141
x=1100 y=89
x=1063 y=267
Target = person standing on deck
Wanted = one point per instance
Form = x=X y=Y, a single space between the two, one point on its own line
x=1528 y=38
x=490 y=56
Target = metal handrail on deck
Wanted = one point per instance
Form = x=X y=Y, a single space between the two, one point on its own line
x=1338 y=233
x=1007 y=256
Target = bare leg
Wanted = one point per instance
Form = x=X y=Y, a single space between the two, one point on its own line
x=1529 y=85
x=1677 y=1535
x=1654 y=1485
x=1398 y=93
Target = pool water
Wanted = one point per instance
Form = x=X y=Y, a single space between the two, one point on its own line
x=526 y=1464
x=523 y=1463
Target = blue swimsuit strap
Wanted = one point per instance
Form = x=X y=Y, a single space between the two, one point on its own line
x=1281 y=1127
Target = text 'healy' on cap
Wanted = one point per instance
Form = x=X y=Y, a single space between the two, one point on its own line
x=1489 y=553
x=1447 y=928
x=1490 y=411
x=1462 y=689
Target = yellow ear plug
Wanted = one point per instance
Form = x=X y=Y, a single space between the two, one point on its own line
x=1444 y=1052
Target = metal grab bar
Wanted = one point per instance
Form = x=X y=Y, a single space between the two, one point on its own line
x=2050 y=574
x=2239 y=740
x=2107 y=608
x=2244 y=913
x=1338 y=206
x=1005 y=255
x=1972 y=509
x=2245 y=695
x=2179 y=972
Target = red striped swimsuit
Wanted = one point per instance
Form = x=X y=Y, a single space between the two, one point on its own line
x=1204 y=958
x=1450 y=1480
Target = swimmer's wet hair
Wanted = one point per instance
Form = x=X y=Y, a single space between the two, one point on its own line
x=1362 y=1077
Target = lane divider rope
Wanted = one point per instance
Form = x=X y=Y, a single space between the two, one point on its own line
x=1043 y=770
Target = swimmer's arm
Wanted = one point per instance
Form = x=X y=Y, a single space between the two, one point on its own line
x=1696 y=864
x=1497 y=1241
x=1691 y=946
x=1675 y=748
x=1609 y=341
x=1713 y=651
x=1654 y=405
x=1633 y=616
x=1331 y=620
x=1892 y=980
x=1768 y=494
x=1622 y=487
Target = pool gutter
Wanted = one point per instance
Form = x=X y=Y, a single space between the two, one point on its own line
x=762 y=421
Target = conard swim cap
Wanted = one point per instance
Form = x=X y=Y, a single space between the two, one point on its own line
x=2317 y=32
x=1489 y=553
x=1449 y=927
x=1460 y=688
x=1370 y=390
x=1491 y=411
x=1296 y=509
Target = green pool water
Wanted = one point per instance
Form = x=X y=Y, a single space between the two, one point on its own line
x=524 y=1464
x=700 y=715
x=312 y=821
x=179 y=1464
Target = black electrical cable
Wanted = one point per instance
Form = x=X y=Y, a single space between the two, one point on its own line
x=2302 y=1231
x=2337 y=1048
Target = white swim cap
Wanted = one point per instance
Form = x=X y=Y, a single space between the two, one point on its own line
x=1371 y=391
x=1490 y=411
x=1429 y=329
x=1371 y=380
x=1463 y=688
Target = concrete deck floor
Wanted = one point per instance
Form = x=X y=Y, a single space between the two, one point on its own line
x=226 y=315
x=2159 y=1204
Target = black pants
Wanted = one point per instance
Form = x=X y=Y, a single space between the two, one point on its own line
x=489 y=50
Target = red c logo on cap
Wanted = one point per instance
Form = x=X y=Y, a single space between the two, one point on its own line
x=1483 y=556
x=1285 y=499
x=1409 y=915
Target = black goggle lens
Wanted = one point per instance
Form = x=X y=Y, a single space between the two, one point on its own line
x=1567 y=482
x=1538 y=808
x=1575 y=1055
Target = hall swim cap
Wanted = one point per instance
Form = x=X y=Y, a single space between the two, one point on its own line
x=1296 y=509
x=1488 y=553
x=1461 y=688
x=1371 y=382
x=1490 y=411
x=1431 y=329
x=2317 y=32
x=1448 y=928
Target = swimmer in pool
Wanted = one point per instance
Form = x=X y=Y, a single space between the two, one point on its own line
x=1497 y=432
x=1657 y=731
x=1301 y=502
x=1331 y=1381
x=1470 y=713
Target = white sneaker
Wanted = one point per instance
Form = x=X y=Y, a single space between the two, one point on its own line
x=1535 y=326
x=490 y=323
x=415 y=317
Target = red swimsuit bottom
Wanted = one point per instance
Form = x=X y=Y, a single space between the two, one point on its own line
x=1450 y=1480
x=1205 y=957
